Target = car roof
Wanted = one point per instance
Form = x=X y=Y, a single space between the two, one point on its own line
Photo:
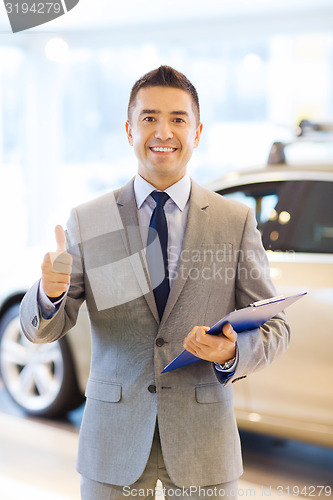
x=273 y=173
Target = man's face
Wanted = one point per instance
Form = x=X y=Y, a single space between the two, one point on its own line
x=163 y=132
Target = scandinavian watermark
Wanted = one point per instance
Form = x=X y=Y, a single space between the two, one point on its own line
x=287 y=491
x=191 y=491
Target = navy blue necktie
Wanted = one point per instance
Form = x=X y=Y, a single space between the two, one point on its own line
x=158 y=223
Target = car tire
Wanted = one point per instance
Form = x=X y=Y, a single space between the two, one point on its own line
x=39 y=378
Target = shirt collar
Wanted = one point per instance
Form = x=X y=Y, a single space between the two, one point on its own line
x=178 y=192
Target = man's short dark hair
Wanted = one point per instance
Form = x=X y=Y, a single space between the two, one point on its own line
x=165 y=76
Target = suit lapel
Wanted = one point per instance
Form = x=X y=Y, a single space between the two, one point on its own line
x=195 y=235
x=131 y=235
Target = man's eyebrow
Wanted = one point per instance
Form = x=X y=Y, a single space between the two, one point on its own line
x=181 y=113
x=149 y=112
x=156 y=112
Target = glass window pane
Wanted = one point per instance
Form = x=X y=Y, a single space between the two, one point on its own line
x=292 y=215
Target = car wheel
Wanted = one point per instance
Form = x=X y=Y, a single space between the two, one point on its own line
x=40 y=378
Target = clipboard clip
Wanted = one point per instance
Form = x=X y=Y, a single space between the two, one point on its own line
x=267 y=301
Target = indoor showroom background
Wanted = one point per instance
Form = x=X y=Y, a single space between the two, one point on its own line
x=260 y=67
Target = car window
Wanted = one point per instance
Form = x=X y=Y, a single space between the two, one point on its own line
x=291 y=215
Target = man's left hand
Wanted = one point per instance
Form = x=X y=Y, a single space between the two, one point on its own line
x=215 y=348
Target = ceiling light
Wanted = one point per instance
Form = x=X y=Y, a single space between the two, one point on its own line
x=252 y=62
x=57 y=50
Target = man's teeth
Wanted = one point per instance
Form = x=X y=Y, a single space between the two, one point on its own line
x=164 y=150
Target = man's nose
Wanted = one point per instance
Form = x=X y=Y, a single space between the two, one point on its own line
x=163 y=131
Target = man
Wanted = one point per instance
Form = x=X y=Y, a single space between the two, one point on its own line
x=140 y=425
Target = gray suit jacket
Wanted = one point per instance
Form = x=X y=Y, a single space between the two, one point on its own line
x=222 y=267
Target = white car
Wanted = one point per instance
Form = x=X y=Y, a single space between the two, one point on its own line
x=293 y=398
x=43 y=379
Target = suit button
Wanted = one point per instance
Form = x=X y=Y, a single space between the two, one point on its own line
x=152 y=389
x=160 y=342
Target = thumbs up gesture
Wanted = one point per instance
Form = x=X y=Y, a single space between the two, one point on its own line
x=57 y=267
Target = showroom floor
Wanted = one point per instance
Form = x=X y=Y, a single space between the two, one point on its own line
x=37 y=462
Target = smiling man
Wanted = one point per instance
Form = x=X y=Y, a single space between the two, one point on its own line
x=163 y=127
x=140 y=425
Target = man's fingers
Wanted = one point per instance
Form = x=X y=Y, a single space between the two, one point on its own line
x=201 y=332
x=198 y=337
x=229 y=332
x=54 y=289
x=216 y=348
x=57 y=267
x=195 y=336
x=63 y=263
x=61 y=260
x=60 y=238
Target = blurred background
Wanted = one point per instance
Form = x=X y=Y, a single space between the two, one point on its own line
x=260 y=67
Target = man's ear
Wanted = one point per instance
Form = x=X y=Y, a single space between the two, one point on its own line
x=198 y=135
x=129 y=132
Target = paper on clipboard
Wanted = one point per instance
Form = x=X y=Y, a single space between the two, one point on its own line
x=248 y=318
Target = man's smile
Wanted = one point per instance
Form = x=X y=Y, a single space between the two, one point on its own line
x=161 y=149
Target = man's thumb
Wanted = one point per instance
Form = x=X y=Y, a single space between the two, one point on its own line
x=60 y=238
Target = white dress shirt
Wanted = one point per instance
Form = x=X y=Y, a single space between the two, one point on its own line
x=176 y=212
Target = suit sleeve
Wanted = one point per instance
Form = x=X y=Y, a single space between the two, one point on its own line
x=40 y=330
x=259 y=347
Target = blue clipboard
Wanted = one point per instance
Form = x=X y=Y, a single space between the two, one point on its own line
x=248 y=318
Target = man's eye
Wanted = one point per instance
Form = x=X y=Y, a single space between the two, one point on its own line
x=148 y=119
x=179 y=120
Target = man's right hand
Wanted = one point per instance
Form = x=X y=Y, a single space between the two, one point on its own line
x=57 y=267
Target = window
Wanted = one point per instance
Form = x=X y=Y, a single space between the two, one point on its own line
x=291 y=215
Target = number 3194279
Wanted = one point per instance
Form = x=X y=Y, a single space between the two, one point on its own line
x=304 y=491
x=35 y=8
